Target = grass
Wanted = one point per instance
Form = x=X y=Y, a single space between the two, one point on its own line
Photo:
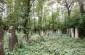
x=52 y=45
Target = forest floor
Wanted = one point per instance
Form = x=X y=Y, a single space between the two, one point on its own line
x=52 y=45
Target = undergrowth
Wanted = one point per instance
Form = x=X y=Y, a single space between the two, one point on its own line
x=52 y=45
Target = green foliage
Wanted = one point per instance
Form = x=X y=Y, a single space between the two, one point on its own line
x=39 y=5
x=73 y=21
x=53 y=45
x=82 y=25
x=1 y=23
x=13 y=19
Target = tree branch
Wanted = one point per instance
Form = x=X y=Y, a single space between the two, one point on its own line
x=1 y=9
x=71 y=4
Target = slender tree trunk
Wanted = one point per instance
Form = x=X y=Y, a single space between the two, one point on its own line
x=82 y=11
x=69 y=12
x=1 y=41
x=13 y=41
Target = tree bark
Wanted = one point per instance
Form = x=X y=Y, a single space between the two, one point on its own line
x=1 y=41
x=13 y=41
x=69 y=12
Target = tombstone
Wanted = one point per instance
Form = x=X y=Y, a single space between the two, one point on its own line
x=67 y=31
x=24 y=39
x=51 y=31
x=59 y=31
x=72 y=32
x=56 y=31
x=47 y=32
x=41 y=35
x=13 y=41
x=76 y=33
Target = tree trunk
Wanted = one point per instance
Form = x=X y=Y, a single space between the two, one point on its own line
x=69 y=12
x=13 y=41
x=1 y=41
x=76 y=33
